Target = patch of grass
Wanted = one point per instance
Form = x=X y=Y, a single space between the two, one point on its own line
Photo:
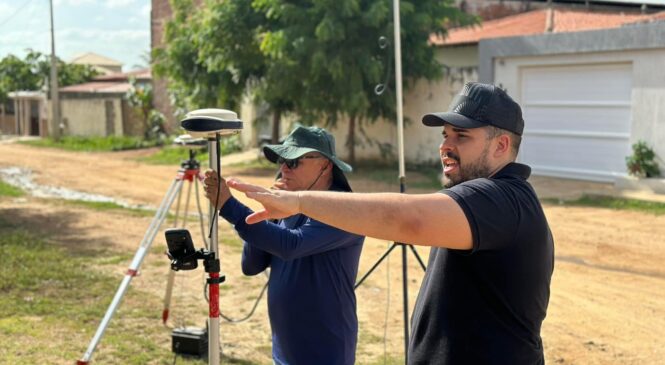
x=256 y=164
x=231 y=239
x=171 y=155
x=602 y=201
x=366 y=337
x=111 y=143
x=34 y=275
x=9 y=190
x=52 y=300
x=424 y=177
x=388 y=360
x=137 y=212
x=111 y=206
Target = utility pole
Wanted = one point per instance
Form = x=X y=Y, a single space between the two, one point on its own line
x=55 y=100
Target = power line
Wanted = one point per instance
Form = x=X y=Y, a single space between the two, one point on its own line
x=14 y=13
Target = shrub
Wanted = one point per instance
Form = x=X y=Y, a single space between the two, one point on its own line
x=642 y=162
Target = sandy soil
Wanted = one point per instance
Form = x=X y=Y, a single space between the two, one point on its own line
x=607 y=297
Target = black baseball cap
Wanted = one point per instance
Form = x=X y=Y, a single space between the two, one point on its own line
x=479 y=105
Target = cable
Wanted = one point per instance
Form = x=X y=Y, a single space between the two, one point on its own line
x=198 y=207
x=219 y=186
x=14 y=13
x=251 y=312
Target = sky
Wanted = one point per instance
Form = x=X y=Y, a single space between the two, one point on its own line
x=117 y=29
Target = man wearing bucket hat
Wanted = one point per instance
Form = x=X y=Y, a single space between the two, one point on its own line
x=313 y=266
x=487 y=285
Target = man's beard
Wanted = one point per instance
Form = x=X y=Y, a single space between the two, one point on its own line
x=473 y=170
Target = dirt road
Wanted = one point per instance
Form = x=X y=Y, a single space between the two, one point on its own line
x=607 y=296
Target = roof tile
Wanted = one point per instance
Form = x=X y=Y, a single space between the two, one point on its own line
x=538 y=22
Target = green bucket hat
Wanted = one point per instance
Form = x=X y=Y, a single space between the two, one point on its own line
x=310 y=139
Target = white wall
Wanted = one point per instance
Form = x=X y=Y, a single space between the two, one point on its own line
x=87 y=117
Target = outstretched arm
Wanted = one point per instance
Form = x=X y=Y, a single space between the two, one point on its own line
x=425 y=219
x=268 y=238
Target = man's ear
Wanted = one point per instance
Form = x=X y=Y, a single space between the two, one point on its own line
x=502 y=145
x=325 y=167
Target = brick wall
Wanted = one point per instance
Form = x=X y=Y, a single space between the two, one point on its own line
x=160 y=14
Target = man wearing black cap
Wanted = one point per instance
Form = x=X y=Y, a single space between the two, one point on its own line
x=313 y=266
x=486 y=289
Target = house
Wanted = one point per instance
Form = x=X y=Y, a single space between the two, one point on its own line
x=99 y=107
x=7 y=117
x=25 y=114
x=102 y=64
x=590 y=84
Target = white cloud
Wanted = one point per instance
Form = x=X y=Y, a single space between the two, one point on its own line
x=17 y=42
x=72 y=2
x=126 y=40
x=6 y=8
x=105 y=36
x=118 y=3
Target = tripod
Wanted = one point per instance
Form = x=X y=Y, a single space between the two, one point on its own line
x=402 y=186
x=189 y=171
x=405 y=282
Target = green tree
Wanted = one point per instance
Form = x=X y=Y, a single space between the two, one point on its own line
x=233 y=33
x=213 y=56
x=198 y=76
x=17 y=74
x=319 y=58
x=140 y=97
x=335 y=45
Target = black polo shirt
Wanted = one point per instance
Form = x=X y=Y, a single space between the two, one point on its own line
x=486 y=305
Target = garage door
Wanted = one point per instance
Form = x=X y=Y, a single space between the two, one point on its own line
x=577 y=120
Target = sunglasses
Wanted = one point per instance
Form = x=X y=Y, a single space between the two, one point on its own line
x=293 y=163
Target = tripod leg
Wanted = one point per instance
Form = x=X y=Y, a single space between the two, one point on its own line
x=375 y=266
x=405 y=297
x=177 y=207
x=405 y=287
x=420 y=261
x=149 y=236
x=186 y=210
x=171 y=276
x=167 y=296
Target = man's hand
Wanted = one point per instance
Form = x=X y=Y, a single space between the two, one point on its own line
x=210 y=188
x=277 y=204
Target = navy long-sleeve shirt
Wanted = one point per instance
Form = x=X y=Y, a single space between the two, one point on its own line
x=311 y=300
